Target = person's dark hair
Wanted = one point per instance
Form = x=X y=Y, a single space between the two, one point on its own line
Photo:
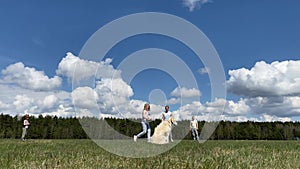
x=166 y=108
x=26 y=116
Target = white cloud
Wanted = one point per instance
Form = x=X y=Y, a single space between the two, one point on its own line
x=275 y=106
x=192 y=4
x=156 y=111
x=135 y=107
x=113 y=92
x=185 y=92
x=238 y=118
x=22 y=103
x=29 y=78
x=188 y=110
x=114 y=98
x=3 y=106
x=236 y=109
x=60 y=111
x=270 y=118
x=173 y=100
x=226 y=107
x=272 y=92
x=216 y=110
x=264 y=80
x=19 y=101
x=112 y=95
x=84 y=98
x=49 y=102
x=86 y=69
x=110 y=98
x=204 y=70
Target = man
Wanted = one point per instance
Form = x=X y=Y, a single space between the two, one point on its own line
x=165 y=116
x=194 y=128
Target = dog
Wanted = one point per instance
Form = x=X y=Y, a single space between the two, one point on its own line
x=162 y=131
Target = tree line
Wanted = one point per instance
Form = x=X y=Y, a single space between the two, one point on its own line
x=53 y=127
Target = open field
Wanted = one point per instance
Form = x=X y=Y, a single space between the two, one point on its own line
x=186 y=154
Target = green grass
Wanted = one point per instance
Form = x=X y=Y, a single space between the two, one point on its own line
x=187 y=154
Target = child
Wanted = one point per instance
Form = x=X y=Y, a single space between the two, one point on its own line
x=194 y=128
x=25 y=126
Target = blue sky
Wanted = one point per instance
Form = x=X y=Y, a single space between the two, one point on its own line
x=40 y=33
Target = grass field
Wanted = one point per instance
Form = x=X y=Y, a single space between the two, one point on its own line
x=187 y=154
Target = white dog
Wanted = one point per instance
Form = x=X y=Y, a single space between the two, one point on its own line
x=162 y=132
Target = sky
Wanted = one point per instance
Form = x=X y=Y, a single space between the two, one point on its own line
x=42 y=71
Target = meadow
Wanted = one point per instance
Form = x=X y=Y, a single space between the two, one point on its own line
x=43 y=153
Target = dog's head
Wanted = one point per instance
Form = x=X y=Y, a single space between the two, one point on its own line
x=172 y=121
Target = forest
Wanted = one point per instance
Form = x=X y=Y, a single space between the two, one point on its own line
x=53 y=127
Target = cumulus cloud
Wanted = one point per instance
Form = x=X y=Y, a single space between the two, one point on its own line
x=236 y=108
x=192 y=4
x=271 y=90
x=185 y=92
x=183 y=95
x=226 y=107
x=276 y=106
x=84 y=98
x=114 y=98
x=113 y=92
x=173 y=100
x=265 y=80
x=61 y=111
x=271 y=118
x=85 y=69
x=135 y=107
x=214 y=111
x=18 y=101
x=204 y=70
x=29 y=78
x=188 y=110
x=48 y=102
x=110 y=98
x=22 y=103
x=3 y=106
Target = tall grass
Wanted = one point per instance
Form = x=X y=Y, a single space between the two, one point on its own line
x=187 y=154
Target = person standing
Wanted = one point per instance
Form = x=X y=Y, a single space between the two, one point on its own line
x=194 y=128
x=165 y=116
x=25 y=126
x=145 y=123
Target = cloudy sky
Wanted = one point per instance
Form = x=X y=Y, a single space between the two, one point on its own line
x=41 y=71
